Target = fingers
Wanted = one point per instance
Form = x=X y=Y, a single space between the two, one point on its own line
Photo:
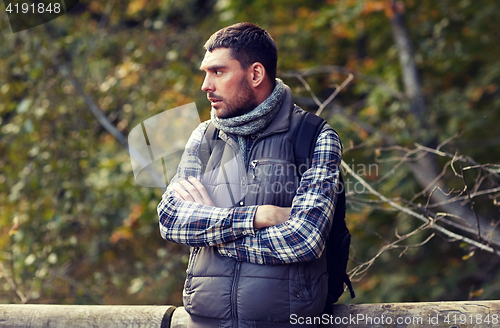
x=192 y=190
x=181 y=192
x=201 y=191
x=188 y=192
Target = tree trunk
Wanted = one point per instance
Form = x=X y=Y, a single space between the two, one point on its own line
x=425 y=169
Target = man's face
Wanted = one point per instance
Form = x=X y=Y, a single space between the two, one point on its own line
x=227 y=84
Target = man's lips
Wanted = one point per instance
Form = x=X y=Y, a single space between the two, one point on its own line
x=214 y=100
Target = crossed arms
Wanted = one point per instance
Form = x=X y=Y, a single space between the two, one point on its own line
x=258 y=234
x=191 y=190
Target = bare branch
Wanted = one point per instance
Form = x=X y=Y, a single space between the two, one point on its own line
x=462 y=158
x=344 y=70
x=401 y=161
x=12 y=283
x=472 y=206
x=363 y=267
x=422 y=218
x=320 y=104
x=334 y=94
x=308 y=88
x=433 y=183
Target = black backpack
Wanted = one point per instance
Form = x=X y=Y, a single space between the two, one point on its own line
x=339 y=238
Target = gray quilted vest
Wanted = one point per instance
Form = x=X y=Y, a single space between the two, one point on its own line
x=219 y=290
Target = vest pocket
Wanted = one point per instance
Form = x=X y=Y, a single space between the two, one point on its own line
x=304 y=279
x=271 y=181
x=310 y=284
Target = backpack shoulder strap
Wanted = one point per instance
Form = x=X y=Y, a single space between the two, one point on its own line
x=304 y=140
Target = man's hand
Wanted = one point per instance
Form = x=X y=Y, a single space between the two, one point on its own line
x=270 y=215
x=192 y=190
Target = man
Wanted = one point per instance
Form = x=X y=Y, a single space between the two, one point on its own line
x=257 y=233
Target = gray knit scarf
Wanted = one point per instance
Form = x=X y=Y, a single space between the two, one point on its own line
x=254 y=121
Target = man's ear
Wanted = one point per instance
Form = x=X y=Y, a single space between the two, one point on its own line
x=257 y=74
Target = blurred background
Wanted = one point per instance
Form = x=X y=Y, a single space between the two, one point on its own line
x=419 y=123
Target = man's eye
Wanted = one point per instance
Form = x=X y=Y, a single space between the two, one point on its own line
x=218 y=72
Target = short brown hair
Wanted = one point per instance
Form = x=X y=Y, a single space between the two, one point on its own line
x=249 y=44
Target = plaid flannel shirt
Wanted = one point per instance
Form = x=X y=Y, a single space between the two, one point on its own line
x=301 y=238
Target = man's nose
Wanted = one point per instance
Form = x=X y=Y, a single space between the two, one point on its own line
x=207 y=85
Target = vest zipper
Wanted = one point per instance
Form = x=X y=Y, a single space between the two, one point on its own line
x=254 y=163
x=190 y=275
x=191 y=264
x=234 y=292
